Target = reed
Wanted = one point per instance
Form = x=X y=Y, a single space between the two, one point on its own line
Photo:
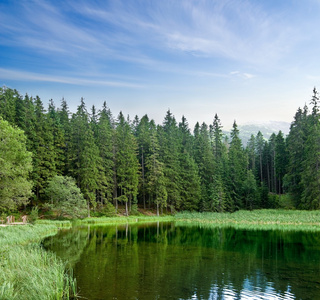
x=27 y=271
x=257 y=219
x=58 y=223
x=124 y=220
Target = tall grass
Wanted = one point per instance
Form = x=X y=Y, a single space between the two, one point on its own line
x=27 y=271
x=257 y=219
x=124 y=220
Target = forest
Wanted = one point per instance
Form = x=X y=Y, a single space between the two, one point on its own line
x=105 y=162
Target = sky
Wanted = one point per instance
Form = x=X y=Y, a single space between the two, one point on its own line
x=249 y=60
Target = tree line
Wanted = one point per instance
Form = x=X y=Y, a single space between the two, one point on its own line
x=117 y=161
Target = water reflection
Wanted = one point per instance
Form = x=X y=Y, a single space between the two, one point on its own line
x=170 y=261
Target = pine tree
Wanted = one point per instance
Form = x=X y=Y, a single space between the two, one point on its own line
x=64 y=119
x=44 y=156
x=85 y=158
x=127 y=164
x=296 y=142
x=169 y=147
x=58 y=137
x=104 y=140
x=237 y=168
x=143 y=135
x=8 y=98
x=310 y=176
x=189 y=173
x=156 y=183
x=281 y=161
x=259 y=150
x=204 y=158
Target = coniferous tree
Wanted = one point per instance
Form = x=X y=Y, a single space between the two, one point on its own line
x=205 y=160
x=58 y=137
x=127 y=163
x=310 y=176
x=104 y=140
x=85 y=155
x=237 y=168
x=281 y=161
x=189 y=173
x=64 y=118
x=8 y=99
x=296 y=142
x=259 y=150
x=155 y=179
x=44 y=156
x=169 y=146
x=251 y=151
x=143 y=134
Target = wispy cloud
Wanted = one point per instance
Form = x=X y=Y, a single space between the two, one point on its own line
x=7 y=74
x=133 y=31
x=242 y=74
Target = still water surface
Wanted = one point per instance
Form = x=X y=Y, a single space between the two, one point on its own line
x=171 y=261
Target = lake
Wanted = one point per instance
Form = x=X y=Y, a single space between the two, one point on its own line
x=177 y=261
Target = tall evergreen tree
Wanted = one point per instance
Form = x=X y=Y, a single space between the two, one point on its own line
x=169 y=146
x=237 y=168
x=58 y=137
x=104 y=140
x=127 y=163
x=155 y=177
x=85 y=157
x=296 y=142
x=44 y=156
x=205 y=160
x=143 y=134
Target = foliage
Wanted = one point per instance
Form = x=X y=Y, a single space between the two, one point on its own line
x=65 y=197
x=34 y=214
x=15 y=166
x=163 y=167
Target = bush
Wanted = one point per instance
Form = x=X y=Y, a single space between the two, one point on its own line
x=65 y=197
x=34 y=215
x=109 y=210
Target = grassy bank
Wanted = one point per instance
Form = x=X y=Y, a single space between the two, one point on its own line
x=29 y=272
x=124 y=220
x=257 y=219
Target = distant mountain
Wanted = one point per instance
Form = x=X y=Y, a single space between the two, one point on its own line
x=266 y=128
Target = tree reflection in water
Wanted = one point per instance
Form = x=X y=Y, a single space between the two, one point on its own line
x=170 y=261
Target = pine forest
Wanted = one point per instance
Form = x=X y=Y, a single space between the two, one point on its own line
x=107 y=162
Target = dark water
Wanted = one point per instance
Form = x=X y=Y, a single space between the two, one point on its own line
x=170 y=261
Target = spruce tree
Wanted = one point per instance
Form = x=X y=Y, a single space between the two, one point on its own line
x=156 y=183
x=44 y=156
x=237 y=169
x=85 y=156
x=104 y=140
x=127 y=164
x=169 y=147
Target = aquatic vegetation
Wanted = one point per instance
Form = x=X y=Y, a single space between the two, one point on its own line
x=57 y=223
x=124 y=220
x=27 y=271
x=256 y=219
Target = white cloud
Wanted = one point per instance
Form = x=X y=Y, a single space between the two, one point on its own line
x=8 y=74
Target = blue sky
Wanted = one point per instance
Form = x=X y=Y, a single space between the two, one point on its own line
x=244 y=60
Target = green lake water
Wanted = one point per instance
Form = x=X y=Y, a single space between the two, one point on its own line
x=171 y=261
